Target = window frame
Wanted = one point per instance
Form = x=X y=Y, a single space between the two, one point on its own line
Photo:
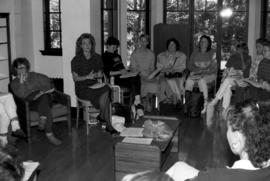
x=48 y=50
x=264 y=14
x=219 y=23
x=114 y=28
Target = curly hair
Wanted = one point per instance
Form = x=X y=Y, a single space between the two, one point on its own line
x=209 y=42
x=254 y=123
x=177 y=44
x=19 y=61
x=78 y=48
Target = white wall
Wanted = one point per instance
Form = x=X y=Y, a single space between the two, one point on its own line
x=75 y=21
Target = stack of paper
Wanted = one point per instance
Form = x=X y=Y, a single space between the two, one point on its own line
x=132 y=132
x=145 y=141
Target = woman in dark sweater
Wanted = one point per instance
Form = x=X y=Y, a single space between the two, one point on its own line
x=86 y=68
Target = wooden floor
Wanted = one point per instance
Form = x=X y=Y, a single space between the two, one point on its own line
x=91 y=158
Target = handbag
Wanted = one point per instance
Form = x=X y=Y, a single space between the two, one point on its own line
x=171 y=75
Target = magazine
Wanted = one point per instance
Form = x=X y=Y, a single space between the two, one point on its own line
x=35 y=94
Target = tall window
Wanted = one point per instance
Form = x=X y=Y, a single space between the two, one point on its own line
x=138 y=22
x=52 y=28
x=204 y=18
x=109 y=20
x=265 y=25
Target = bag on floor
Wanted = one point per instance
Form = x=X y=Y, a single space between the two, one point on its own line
x=194 y=103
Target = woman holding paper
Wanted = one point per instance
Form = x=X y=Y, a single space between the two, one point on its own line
x=35 y=85
x=113 y=66
x=171 y=64
x=86 y=68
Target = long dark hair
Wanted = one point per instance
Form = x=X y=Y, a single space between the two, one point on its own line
x=209 y=42
x=78 y=48
x=177 y=44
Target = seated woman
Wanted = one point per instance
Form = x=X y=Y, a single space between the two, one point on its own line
x=238 y=67
x=86 y=68
x=113 y=65
x=203 y=68
x=25 y=84
x=249 y=138
x=171 y=64
x=258 y=90
x=142 y=60
x=8 y=116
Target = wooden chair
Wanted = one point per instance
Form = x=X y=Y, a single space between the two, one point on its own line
x=61 y=111
x=90 y=113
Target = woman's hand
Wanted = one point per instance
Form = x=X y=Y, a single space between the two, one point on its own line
x=91 y=75
x=22 y=78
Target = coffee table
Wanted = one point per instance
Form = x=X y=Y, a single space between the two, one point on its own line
x=132 y=158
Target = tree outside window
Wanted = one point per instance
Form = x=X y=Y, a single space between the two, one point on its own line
x=137 y=22
x=203 y=17
x=52 y=28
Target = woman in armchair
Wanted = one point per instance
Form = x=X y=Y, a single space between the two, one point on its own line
x=203 y=68
x=25 y=84
x=171 y=64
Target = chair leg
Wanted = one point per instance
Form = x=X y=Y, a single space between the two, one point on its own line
x=77 y=116
x=86 y=116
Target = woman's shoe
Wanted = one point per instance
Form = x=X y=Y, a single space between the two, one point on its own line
x=53 y=140
x=111 y=130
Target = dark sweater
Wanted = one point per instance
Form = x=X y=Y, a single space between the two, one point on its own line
x=263 y=72
x=112 y=62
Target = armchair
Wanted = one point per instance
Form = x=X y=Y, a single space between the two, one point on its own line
x=60 y=112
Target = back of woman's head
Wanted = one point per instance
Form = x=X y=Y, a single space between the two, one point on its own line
x=253 y=122
x=148 y=176
x=10 y=169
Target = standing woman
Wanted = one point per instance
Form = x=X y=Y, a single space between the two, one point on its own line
x=203 y=68
x=143 y=61
x=86 y=67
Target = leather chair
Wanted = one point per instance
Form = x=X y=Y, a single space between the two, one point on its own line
x=61 y=111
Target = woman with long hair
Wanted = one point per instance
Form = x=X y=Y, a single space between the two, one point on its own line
x=87 y=68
